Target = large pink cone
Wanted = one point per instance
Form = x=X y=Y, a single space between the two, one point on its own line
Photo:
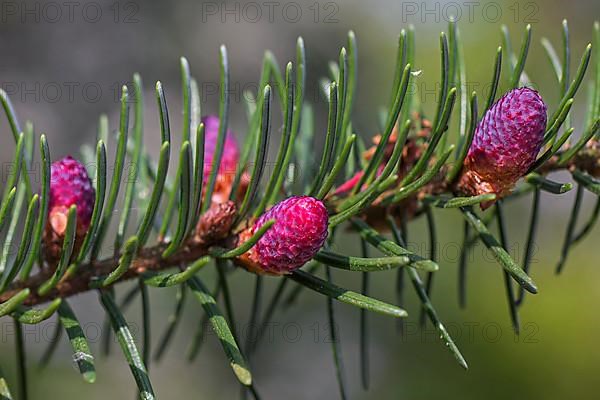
x=506 y=143
x=299 y=232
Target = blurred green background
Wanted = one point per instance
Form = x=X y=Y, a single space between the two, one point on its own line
x=63 y=67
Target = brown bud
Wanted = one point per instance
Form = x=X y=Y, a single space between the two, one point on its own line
x=588 y=159
x=216 y=223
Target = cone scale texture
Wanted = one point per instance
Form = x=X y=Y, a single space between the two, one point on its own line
x=505 y=144
x=299 y=232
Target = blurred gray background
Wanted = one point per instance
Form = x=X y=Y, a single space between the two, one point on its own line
x=63 y=64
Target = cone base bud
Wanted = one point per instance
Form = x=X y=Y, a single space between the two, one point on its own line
x=472 y=183
x=250 y=261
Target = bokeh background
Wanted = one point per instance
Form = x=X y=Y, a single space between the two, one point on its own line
x=63 y=65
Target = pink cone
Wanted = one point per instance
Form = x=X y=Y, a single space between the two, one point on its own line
x=70 y=185
x=506 y=143
x=229 y=159
x=298 y=234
